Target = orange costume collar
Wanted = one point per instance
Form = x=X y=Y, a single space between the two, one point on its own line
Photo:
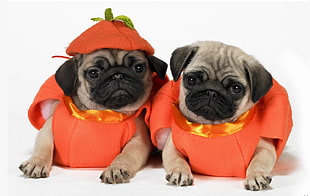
x=212 y=131
x=104 y=116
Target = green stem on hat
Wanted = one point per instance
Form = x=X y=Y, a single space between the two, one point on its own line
x=108 y=15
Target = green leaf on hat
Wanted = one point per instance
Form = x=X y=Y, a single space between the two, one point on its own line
x=108 y=14
x=97 y=19
x=126 y=20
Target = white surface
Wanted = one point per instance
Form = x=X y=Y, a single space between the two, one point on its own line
x=277 y=34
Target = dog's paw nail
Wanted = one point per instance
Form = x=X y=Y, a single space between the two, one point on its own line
x=44 y=175
x=21 y=167
x=263 y=185
x=175 y=181
x=104 y=178
x=268 y=179
x=184 y=183
x=125 y=174
x=187 y=181
x=191 y=182
x=255 y=188
x=168 y=177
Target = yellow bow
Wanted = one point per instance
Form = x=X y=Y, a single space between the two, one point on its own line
x=104 y=116
x=211 y=131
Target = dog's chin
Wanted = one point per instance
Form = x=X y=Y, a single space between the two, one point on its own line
x=125 y=103
x=118 y=99
x=214 y=119
x=126 y=107
x=212 y=114
x=211 y=109
x=192 y=117
x=119 y=103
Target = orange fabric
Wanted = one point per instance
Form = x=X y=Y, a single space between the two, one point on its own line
x=108 y=34
x=84 y=143
x=227 y=155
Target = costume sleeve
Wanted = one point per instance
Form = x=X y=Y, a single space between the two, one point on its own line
x=276 y=116
x=157 y=84
x=161 y=114
x=49 y=90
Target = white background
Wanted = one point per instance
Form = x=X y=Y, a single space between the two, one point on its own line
x=277 y=34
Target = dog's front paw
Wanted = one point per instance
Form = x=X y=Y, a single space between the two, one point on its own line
x=115 y=175
x=35 y=168
x=180 y=177
x=257 y=182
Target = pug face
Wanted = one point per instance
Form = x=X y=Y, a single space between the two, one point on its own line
x=219 y=82
x=110 y=79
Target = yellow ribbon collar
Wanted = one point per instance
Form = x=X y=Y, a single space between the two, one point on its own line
x=104 y=116
x=212 y=131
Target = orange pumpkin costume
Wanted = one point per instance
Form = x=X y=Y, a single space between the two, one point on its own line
x=228 y=154
x=89 y=142
x=92 y=138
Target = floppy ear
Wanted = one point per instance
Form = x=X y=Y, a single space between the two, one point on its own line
x=66 y=76
x=157 y=65
x=180 y=58
x=259 y=78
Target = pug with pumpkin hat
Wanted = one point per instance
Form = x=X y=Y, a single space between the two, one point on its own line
x=94 y=112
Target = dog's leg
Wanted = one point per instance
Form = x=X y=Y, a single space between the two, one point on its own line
x=258 y=172
x=40 y=163
x=177 y=169
x=132 y=158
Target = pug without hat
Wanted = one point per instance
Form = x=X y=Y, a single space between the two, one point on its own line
x=226 y=116
x=94 y=111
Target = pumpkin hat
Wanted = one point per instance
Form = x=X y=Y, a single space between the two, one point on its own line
x=117 y=33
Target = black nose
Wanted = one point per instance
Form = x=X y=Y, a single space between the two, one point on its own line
x=211 y=94
x=211 y=97
x=117 y=76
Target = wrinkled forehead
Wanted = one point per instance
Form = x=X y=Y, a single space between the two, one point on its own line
x=218 y=63
x=113 y=56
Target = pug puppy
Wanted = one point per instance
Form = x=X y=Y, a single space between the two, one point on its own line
x=219 y=83
x=112 y=79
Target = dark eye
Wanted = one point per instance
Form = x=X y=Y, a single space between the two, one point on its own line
x=93 y=73
x=236 y=89
x=191 y=80
x=139 y=68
